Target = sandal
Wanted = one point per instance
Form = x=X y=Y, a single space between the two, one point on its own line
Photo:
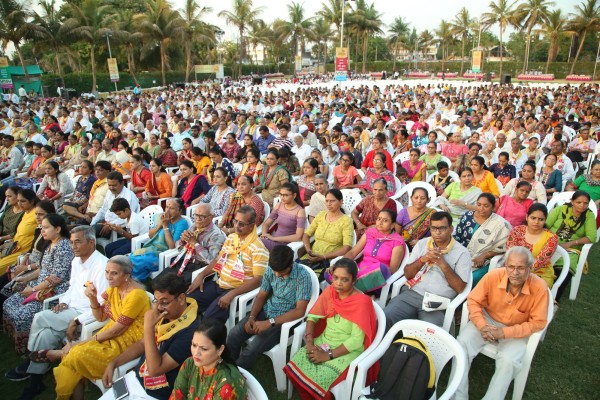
x=39 y=356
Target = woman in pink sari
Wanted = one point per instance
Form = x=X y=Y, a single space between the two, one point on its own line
x=383 y=251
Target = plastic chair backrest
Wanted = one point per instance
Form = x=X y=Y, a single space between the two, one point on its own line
x=411 y=186
x=254 y=390
x=314 y=281
x=148 y=214
x=350 y=200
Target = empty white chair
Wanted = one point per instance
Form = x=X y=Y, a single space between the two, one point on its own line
x=491 y=349
x=342 y=390
x=442 y=346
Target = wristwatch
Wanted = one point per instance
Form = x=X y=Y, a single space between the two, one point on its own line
x=326 y=348
x=272 y=321
x=76 y=319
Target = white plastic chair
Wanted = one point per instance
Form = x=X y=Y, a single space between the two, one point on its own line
x=447 y=161
x=491 y=349
x=267 y=212
x=409 y=125
x=453 y=175
x=451 y=309
x=351 y=198
x=237 y=167
x=400 y=158
x=560 y=198
x=278 y=354
x=500 y=185
x=254 y=390
x=411 y=186
x=342 y=390
x=442 y=346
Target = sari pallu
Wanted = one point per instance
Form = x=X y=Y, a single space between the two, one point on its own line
x=357 y=309
x=191 y=185
x=457 y=211
x=415 y=229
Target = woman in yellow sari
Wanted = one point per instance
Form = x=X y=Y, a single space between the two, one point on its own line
x=125 y=304
x=26 y=200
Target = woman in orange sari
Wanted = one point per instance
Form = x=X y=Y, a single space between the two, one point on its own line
x=159 y=186
x=140 y=176
x=340 y=326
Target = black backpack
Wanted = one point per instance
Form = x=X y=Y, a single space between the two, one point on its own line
x=406 y=371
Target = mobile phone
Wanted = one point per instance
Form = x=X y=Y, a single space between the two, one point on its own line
x=120 y=388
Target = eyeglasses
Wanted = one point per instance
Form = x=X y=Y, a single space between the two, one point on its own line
x=163 y=303
x=200 y=217
x=242 y=224
x=520 y=270
x=439 y=228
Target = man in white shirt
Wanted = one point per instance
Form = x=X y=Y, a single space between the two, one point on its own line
x=460 y=127
x=135 y=226
x=517 y=156
x=563 y=163
x=501 y=145
x=65 y=121
x=107 y=153
x=13 y=159
x=116 y=189
x=50 y=327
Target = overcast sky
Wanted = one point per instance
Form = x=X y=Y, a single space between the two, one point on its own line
x=422 y=15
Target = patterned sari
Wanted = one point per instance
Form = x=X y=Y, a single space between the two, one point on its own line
x=415 y=229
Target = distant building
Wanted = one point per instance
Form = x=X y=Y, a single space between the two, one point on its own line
x=405 y=54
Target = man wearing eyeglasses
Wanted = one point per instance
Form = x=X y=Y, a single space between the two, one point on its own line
x=437 y=270
x=168 y=330
x=199 y=245
x=506 y=307
x=239 y=265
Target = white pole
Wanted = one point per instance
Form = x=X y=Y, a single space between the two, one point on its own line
x=596 y=61
x=110 y=55
x=342 y=30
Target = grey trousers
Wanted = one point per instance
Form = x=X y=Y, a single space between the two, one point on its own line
x=261 y=343
x=508 y=361
x=47 y=332
x=409 y=305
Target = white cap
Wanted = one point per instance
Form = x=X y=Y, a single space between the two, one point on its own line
x=302 y=128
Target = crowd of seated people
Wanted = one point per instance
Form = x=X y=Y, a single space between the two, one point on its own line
x=243 y=186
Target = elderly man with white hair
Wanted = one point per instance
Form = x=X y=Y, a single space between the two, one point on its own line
x=461 y=128
x=507 y=306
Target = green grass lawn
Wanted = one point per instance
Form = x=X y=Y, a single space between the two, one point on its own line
x=565 y=365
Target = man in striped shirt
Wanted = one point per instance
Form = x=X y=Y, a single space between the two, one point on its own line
x=284 y=294
x=240 y=266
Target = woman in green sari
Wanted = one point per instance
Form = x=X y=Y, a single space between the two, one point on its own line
x=164 y=236
x=272 y=177
x=459 y=197
x=339 y=327
x=209 y=373
x=575 y=225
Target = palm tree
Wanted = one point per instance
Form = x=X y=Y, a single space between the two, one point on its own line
x=88 y=23
x=365 y=21
x=258 y=35
x=332 y=12
x=444 y=38
x=123 y=29
x=461 y=26
x=161 y=25
x=49 y=34
x=399 y=30
x=321 y=34
x=297 y=27
x=195 y=30
x=15 y=27
x=240 y=16
x=501 y=13
x=529 y=14
x=585 y=20
x=425 y=40
x=552 y=28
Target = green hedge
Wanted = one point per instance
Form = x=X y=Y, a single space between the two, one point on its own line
x=83 y=82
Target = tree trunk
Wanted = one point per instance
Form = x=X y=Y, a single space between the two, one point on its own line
x=356 y=54
x=59 y=68
x=93 y=60
x=527 y=44
x=18 y=48
x=395 y=56
x=188 y=62
x=162 y=63
x=131 y=63
x=325 y=59
x=364 y=58
x=462 y=55
x=578 y=51
x=550 y=54
x=500 y=74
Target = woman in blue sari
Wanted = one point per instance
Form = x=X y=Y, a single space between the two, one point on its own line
x=164 y=236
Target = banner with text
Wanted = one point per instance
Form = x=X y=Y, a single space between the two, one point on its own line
x=216 y=69
x=113 y=69
x=5 y=78
x=476 y=63
x=341 y=63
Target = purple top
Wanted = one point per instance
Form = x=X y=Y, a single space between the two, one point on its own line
x=287 y=222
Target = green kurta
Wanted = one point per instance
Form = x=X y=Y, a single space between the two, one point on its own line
x=224 y=382
x=588 y=229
